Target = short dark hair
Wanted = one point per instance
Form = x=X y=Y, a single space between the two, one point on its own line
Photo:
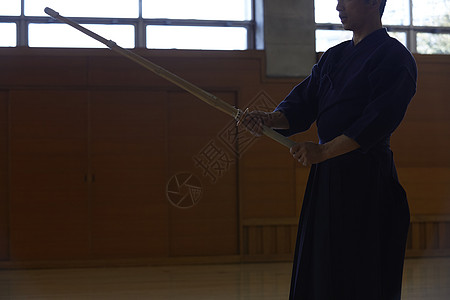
x=382 y=5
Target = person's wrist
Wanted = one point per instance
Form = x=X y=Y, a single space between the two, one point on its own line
x=267 y=119
x=272 y=119
x=324 y=151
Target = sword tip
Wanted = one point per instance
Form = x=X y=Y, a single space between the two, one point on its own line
x=50 y=12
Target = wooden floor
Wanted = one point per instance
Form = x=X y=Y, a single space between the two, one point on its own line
x=424 y=279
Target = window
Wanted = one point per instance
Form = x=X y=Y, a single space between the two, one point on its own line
x=421 y=25
x=10 y=8
x=236 y=10
x=60 y=35
x=179 y=24
x=225 y=24
x=433 y=43
x=195 y=37
x=8 y=36
x=397 y=13
x=431 y=13
x=328 y=38
x=85 y=8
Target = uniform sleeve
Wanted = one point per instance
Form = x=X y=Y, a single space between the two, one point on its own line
x=392 y=90
x=300 y=106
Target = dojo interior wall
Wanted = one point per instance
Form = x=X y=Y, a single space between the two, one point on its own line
x=89 y=143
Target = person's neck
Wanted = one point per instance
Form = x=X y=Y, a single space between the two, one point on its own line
x=359 y=35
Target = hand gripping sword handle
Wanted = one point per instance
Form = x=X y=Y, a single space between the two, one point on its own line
x=267 y=131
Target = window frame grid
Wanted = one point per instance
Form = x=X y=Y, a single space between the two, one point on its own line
x=140 y=25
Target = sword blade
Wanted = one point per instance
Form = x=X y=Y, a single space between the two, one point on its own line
x=175 y=79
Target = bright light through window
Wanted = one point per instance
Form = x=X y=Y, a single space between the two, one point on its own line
x=325 y=11
x=431 y=12
x=85 y=8
x=396 y=13
x=195 y=37
x=9 y=7
x=329 y=38
x=400 y=36
x=117 y=19
x=62 y=35
x=236 y=10
x=432 y=43
x=8 y=34
x=326 y=39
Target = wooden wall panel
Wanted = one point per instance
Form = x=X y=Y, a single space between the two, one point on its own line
x=274 y=239
x=210 y=70
x=103 y=71
x=128 y=160
x=49 y=196
x=251 y=209
x=211 y=226
x=4 y=200
x=267 y=173
x=428 y=189
x=41 y=71
x=421 y=144
x=429 y=236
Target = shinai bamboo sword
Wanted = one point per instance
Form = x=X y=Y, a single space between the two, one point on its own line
x=206 y=97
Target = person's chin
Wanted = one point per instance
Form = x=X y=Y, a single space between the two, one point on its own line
x=346 y=26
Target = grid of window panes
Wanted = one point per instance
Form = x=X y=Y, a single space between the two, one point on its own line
x=178 y=24
x=421 y=25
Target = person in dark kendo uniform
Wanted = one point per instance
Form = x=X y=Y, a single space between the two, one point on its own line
x=355 y=217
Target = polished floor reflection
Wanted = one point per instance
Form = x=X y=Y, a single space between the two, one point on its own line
x=424 y=279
